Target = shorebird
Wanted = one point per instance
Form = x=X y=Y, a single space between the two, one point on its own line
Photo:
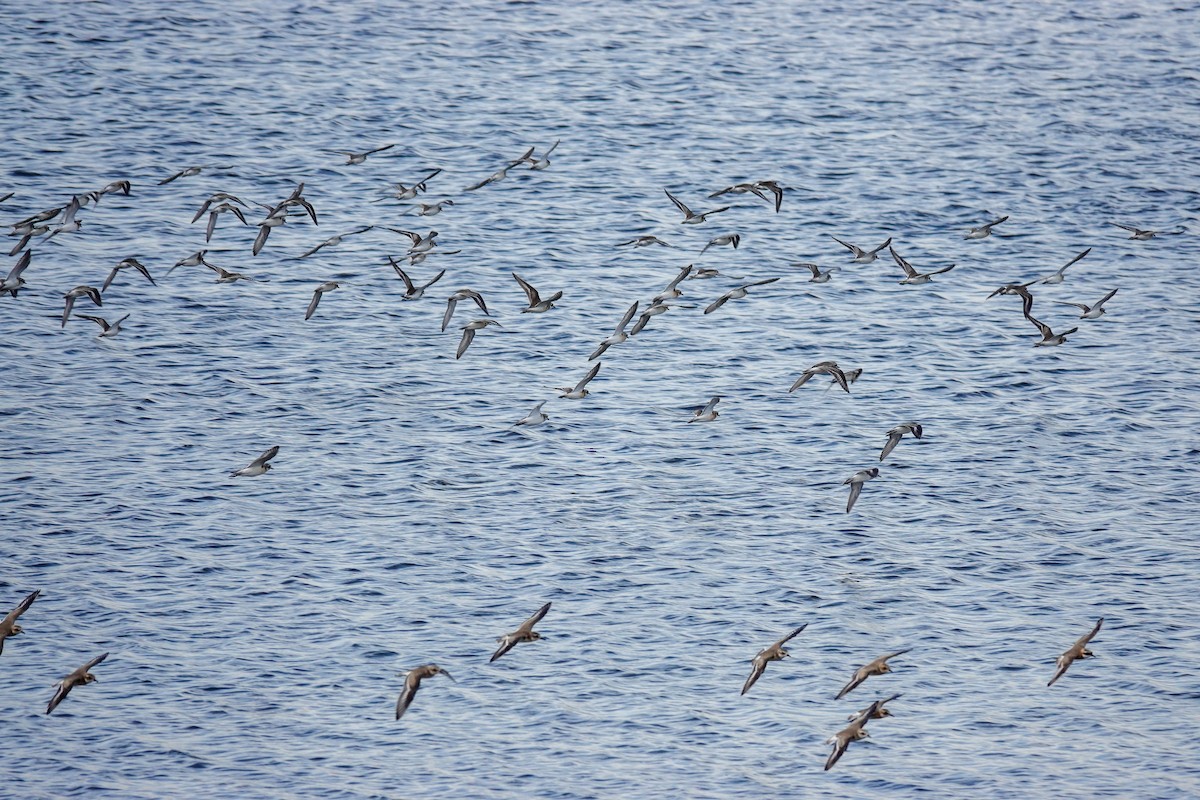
x=402 y=192
x=1143 y=236
x=1049 y=337
x=735 y=294
x=856 y=482
x=412 y=682
x=911 y=276
x=536 y=303
x=272 y=221
x=420 y=244
x=644 y=241
x=855 y=731
x=333 y=241
x=500 y=174
x=863 y=256
x=1057 y=277
x=68 y=223
x=880 y=712
x=534 y=417
x=690 y=218
x=617 y=336
x=216 y=212
x=768 y=654
x=79 y=291
x=468 y=334
x=775 y=189
x=328 y=286
x=258 y=466
x=823 y=368
x=186 y=172
x=897 y=433
x=1092 y=312
x=985 y=230
x=720 y=241
x=109 y=330
x=13 y=282
x=358 y=158
x=225 y=276
x=1077 y=651
x=195 y=259
x=739 y=188
x=877 y=667
x=431 y=209
x=80 y=677
x=296 y=198
x=525 y=633
x=9 y=626
x=818 y=276
x=411 y=290
x=1017 y=289
x=220 y=197
x=34 y=230
x=544 y=161
x=462 y=294
x=672 y=289
x=579 y=392
x=707 y=412
x=124 y=187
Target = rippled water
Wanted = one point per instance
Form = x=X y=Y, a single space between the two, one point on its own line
x=256 y=624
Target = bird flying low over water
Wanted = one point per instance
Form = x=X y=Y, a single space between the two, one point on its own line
x=358 y=158
x=579 y=392
x=8 y=625
x=542 y=162
x=501 y=173
x=720 y=241
x=985 y=230
x=333 y=241
x=644 y=241
x=1057 y=277
x=402 y=192
x=690 y=218
x=877 y=667
x=863 y=256
x=79 y=291
x=735 y=294
x=411 y=290
x=80 y=677
x=536 y=303
x=707 y=412
x=911 y=276
x=768 y=654
x=1017 y=289
x=258 y=466
x=216 y=212
x=534 y=417
x=109 y=330
x=1091 y=312
x=617 y=336
x=461 y=294
x=468 y=334
x=855 y=731
x=897 y=433
x=823 y=368
x=127 y=263
x=1049 y=337
x=1075 y=652
x=318 y=293
x=412 y=682
x=186 y=172
x=68 y=224
x=1146 y=235
x=525 y=633
x=856 y=482
x=818 y=276
x=223 y=198
x=880 y=712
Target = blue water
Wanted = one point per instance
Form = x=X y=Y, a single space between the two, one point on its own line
x=256 y=625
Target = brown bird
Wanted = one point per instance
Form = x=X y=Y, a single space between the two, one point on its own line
x=1078 y=650
x=9 y=626
x=79 y=677
x=765 y=656
x=853 y=732
x=525 y=633
x=412 y=682
x=880 y=712
x=877 y=667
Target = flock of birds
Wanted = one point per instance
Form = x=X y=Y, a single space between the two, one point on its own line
x=64 y=219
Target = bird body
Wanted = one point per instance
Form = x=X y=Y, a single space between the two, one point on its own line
x=1075 y=652
x=80 y=677
x=258 y=466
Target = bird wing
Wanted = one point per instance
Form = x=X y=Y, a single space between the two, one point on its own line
x=902 y=263
x=265 y=457
x=792 y=635
x=687 y=212
x=756 y=672
x=1090 y=635
x=380 y=149
x=406 y=697
x=1073 y=260
x=763 y=282
x=1064 y=662
x=709 y=406
x=884 y=659
x=858 y=251
x=312 y=304
x=408 y=284
x=467 y=337
x=451 y=304
x=103 y=323
x=1041 y=326
x=587 y=378
x=1129 y=228
x=260 y=240
x=60 y=693
x=528 y=624
x=855 y=491
x=507 y=642
x=1106 y=298
x=839 y=748
x=173 y=177
x=203 y=208
x=940 y=271
x=21 y=264
x=803 y=379
x=813 y=268
x=996 y=222
x=88 y=666
x=67 y=309
x=530 y=292
x=552 y=148
x=21 y=608
x=860 y=674
x=888 y=243
x=628 y=316
x=720 y=301
x=840 y=377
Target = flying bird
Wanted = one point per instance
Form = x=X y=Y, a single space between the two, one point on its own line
x=1049 y=337
x=855 y=731
x=534 y=417
x=525 y=633
x=80 y=677
x=9 y=626
x=328 y=286
x=617 y=336
x=186 y=172
x=333 y=241
x=644 y=241
x=358 y=158
x=735 y=294
x=1143 y=235
x=544 y=161
x=412 y=682
x=707 y=412
x=818 y=276
x=880 y=712
x=462 y=294
x=258 y=466
x=897 y=433
x=985 y=230
x=216 y=212
x=1092 y=312
x=690 y=218
x=856 y=482
x=536 y=303
x=468 y=335
x=13 y=282
x=1057 y=277
x=877 y=667
x=411 y=290
x=109 y=330
x=725 y=239
x=1075 y=652
x=911 y=276
x=775 y=652
x=579 y=392
x=79 y=291
x=823 y=368
x=863 y=256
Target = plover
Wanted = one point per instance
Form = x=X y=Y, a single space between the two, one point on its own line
x=412 y=682
x=258 y=466
x=80 y=677
x=1075 y=652
x=775 y=652
x=856 y=482
x=877 y=667
x=525 y=633
x=9 y=626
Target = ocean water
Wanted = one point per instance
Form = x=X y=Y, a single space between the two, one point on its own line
x=256 y=626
